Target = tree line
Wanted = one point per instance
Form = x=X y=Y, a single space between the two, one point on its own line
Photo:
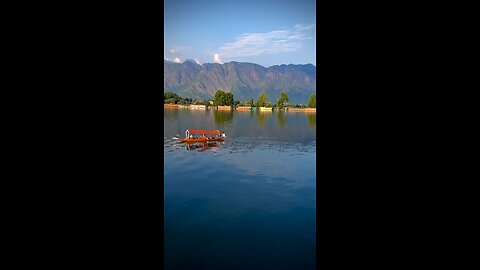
x=223 y=98
x=172 y=98
x=263 y=101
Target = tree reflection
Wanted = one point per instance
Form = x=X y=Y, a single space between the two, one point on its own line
x=262 y=117
x=281 y=118
x=222 y=116
x=312 y=119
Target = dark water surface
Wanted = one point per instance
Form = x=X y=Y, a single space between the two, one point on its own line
x=246 y=204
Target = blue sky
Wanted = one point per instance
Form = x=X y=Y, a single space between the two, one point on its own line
x=265 y=32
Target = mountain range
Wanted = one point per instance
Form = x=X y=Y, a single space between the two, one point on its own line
x=244 y=80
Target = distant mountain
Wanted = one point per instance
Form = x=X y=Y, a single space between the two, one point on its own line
x=190 y=60
x=244 y=80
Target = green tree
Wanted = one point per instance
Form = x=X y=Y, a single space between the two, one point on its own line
x=312 y=103
x=262 y=99
x=229 y=99
x=223 y=98
x=283 y=98
x=170 y=101
x=251 y=102
x=168 y=95
x=219 y=98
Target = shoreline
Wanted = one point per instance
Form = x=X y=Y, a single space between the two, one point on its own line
x=241 y=108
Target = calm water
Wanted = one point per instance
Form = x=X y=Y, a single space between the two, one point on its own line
x=246 y=204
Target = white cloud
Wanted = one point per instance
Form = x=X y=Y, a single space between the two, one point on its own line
x=175 y=52
x=197 y=61
x=301 y=27
x=176 y=59
x=253 y=44
x=217 y=58
x=177 y=49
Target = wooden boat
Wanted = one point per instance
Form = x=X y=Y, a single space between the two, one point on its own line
x=200 y=135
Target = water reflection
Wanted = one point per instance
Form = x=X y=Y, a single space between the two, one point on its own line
x=252 y=194
x=281 y=118
x=201 y=147
x=262 y=117
x=171 y=113
x=244 y=129
x=221 y=117
x=312 y=119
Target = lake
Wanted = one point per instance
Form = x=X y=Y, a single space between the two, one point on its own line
x=249 y=203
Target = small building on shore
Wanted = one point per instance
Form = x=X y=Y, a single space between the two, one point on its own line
x=224 y=108
x=302 y=110
x=244 y=108
x=197 y=107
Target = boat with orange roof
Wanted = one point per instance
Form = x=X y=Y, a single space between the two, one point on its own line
x=200 y=135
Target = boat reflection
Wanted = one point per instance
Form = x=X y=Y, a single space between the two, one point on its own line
x=203 y=146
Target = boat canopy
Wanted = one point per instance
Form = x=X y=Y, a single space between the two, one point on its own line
x=200 y=131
